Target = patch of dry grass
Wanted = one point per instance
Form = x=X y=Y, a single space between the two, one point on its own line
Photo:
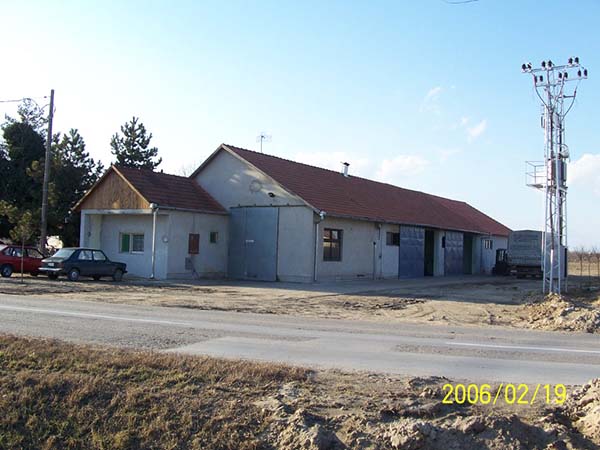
x=56 y=395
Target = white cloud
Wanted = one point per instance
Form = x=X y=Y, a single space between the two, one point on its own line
x=476 y=131
x=464 y=121
x=433 y=93
x=585 y=172
x=430 y=102
x=401 y=166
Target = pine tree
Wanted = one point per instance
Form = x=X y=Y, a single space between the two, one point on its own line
x=131 y=146
x=74 y=173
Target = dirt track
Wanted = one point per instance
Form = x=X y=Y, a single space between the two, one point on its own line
x=458 y=301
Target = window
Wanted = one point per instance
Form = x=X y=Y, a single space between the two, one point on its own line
x=33 y=253
x=131 y=243
x=99 y=256
x=488 y=244
x=125 y=243
x=64 y=253
x=214 y=237
x=392 y=239
x=85 y=255
x=193 y=244
x=137 y=243
x=332 y=245
x=17 y=252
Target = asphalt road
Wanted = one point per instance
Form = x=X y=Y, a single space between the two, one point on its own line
x=487 y=354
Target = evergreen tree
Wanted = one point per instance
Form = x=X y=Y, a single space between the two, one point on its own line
x=131 y=147
x=31 y=114
x=22 y=153
x=21 y=157
x=74 y=172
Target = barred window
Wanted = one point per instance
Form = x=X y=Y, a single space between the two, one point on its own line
x=332 y=245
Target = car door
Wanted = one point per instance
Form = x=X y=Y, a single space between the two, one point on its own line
x=85 y=263
x=15 y=259
x=102 y=266
x=33 y=260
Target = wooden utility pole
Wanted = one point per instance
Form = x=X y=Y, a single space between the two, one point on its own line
x=44 y=229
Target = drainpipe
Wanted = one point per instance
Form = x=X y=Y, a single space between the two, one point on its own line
x=380 y=253
x=322 y=215
x=154 y=208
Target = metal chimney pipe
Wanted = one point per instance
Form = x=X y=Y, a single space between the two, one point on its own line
x=345 y=169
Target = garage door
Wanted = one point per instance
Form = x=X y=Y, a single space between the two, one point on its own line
x=253 y=243
x=453 y=253
x=412 y=252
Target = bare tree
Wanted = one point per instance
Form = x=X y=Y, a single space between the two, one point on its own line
x=579 y=253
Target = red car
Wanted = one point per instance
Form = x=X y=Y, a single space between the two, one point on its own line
x=10 y=260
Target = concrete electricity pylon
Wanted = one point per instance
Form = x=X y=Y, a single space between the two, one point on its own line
x=553 y=86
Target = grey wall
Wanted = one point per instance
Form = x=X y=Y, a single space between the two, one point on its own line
x=357 y=250
x=296 y=244
x=233 y=182
x=488 y=256
x=138 y=264
x=211 y=262
x=172 y=230
x=388 y=265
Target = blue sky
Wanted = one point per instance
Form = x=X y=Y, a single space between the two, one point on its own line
x=420 y=94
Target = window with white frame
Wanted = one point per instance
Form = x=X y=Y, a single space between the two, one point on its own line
x=131 y=243
x=488 y=244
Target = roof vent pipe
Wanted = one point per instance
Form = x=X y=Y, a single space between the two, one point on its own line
x=345 y=169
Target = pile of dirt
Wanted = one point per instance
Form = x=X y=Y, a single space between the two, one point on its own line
x=409 y=415
x=564 y=313
x=583 y=408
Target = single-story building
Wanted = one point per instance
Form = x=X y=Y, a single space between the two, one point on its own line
x=281 y=220
x=161 y=226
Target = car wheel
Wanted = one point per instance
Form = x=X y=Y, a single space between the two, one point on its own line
x=6 y=270
x=96 y=277
x=118 y=275
x=52 y=276
x=34 y=274
x=73 y=274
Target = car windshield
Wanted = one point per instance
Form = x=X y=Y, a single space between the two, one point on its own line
x=64 y=253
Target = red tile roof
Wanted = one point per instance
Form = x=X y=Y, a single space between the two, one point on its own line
x=356 y=197
x=170 y=191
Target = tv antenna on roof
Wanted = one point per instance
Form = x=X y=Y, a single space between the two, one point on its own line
x=263 y=137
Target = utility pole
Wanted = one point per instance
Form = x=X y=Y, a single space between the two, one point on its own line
x=550 y=84
x=44 y=228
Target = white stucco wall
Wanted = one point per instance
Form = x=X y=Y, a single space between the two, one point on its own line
x=488 y=256
x=389 y=254
x=211 y=261
x=138 y=264
x=233 y=182
x=295 y=244
x=357 y=250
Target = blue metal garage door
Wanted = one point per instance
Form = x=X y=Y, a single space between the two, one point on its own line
x=453 y=253
x=412 y=252
x=253 y=243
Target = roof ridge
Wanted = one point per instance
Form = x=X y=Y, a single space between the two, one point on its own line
x=143 y=169
x=339 y=173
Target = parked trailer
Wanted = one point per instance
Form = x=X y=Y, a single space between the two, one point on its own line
x=524 y=253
